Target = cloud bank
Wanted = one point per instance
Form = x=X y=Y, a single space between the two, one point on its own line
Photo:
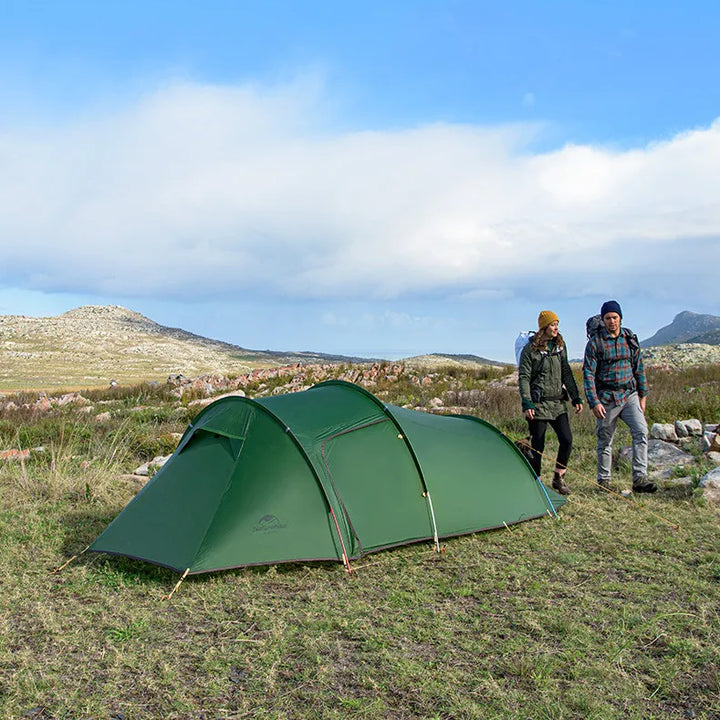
x=216 y=191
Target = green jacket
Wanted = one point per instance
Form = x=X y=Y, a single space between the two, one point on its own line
x=548 y=371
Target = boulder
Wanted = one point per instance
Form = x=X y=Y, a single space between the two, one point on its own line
x=707 y=440
x=713 y=457
x=690 y=443
x=663 y=431
x=710 y=483
x=688 y=427
x=156 y=462
x=663 y=455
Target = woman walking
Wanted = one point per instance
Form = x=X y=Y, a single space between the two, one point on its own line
x=546 y=382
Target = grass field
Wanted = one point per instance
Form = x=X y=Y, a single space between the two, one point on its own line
x=610 y=611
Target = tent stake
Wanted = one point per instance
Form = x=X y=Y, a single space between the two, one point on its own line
x=65 y=564
x=177 y=585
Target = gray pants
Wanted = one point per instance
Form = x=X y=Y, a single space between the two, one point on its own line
x=631 y=414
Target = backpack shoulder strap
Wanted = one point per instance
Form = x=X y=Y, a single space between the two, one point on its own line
x=599 y=346
x=634 y=345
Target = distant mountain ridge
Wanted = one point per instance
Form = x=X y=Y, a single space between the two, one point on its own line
x=687 y=327
x=93 y=345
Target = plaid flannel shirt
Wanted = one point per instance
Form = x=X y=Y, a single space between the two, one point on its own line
x=610 y=378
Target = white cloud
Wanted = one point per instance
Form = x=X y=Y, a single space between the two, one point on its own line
x=211 y=190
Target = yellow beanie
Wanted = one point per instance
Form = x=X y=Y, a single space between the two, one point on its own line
x=546 y=317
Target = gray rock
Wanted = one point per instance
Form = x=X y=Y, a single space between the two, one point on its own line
x=713 y=457
x=710 y=482
x=663 y=431
x=662 y=455
x=692 y=426
x=681 y=430
x=690 y=443
x=202 y=402
x=156 y=462
x=711 y=479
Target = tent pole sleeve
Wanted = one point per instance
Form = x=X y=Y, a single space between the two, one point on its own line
x=434 y=524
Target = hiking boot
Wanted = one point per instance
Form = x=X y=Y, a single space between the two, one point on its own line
x=604 y=484
x=558 y=484
x=642 y=485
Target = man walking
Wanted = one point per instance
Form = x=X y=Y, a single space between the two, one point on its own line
x=616 y=387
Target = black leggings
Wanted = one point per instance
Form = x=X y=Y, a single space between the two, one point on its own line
x=561 y=426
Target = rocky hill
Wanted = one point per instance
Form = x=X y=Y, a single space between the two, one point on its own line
x=680 y=355
x=96 y=344
x=687 y=327
x=440 y=360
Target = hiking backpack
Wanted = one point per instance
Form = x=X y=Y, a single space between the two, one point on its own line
x=593 y=326
x=521 y=341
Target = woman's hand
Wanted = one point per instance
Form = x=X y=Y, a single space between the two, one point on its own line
x=529 y=414
x=578 y=408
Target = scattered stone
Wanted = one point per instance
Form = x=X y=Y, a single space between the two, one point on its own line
x=14 y=454
x=664 y=431
x=710 y=482
x=156 y=463
x=713 y=457
x=690 y=443
x=206 y=401
x=662 y=455
x=42 y=404
x=72 y=398
x=690 y=427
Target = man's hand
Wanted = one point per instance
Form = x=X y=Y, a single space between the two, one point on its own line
x=599 y=411
x=643 y=402
x=529 y=414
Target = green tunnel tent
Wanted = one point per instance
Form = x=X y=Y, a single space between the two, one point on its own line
x=329 y=473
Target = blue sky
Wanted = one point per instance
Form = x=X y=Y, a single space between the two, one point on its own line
x=376 y=179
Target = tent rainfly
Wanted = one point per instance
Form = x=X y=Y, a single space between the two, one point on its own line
x=330 y=473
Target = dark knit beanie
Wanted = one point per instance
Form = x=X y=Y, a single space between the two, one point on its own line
x=610 y=306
